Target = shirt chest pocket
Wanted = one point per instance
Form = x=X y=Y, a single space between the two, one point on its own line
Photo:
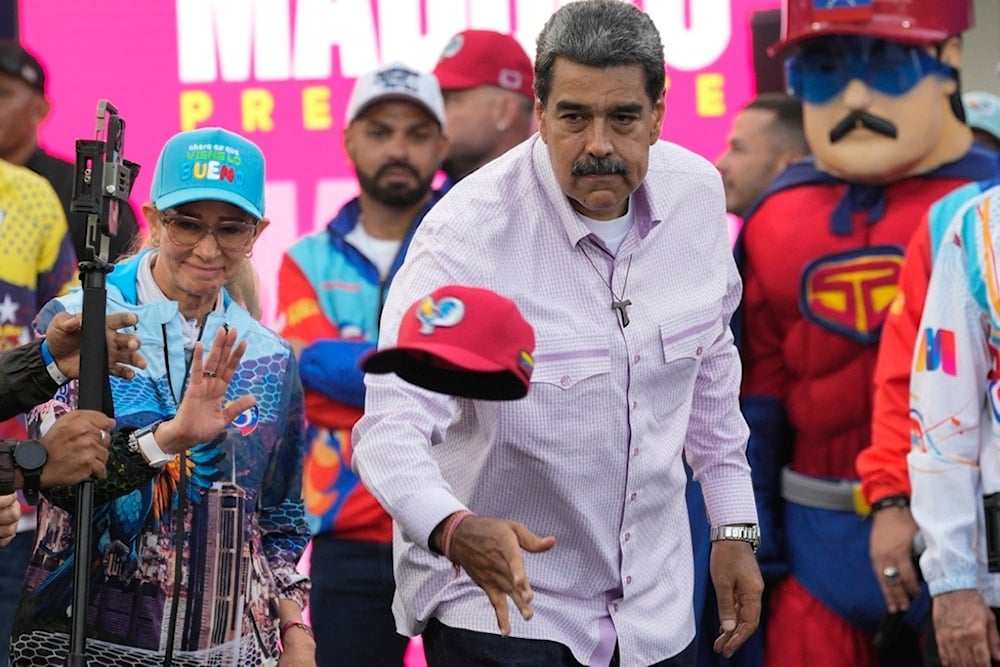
x=571 y=365
x=683 y=348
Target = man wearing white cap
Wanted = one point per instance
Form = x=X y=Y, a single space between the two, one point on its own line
x=331 y=287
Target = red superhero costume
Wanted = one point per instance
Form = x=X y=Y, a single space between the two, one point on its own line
x=821 y=256
x=814 y=300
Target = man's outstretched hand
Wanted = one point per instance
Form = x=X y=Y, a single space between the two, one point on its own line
x=490 y=552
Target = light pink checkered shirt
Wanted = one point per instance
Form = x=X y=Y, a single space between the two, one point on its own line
x=593 y=454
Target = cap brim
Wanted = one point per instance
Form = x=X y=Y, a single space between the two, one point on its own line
x=452 y=80
x=448 y=370
x=396 y=97
x=911 y=36
x=188 y=195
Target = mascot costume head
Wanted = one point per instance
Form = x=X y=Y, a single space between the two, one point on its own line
x=879 y=83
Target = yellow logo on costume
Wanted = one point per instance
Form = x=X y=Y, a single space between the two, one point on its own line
x=850 y=293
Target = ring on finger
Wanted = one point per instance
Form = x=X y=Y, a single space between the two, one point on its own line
x=208 y=374
x=891 y=574
x=102 y=434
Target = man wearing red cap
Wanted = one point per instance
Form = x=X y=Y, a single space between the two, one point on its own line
x=821 y=256
x=486 y=78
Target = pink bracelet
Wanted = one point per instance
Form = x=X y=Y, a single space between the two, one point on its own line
x=288 y=625
x=449 y=531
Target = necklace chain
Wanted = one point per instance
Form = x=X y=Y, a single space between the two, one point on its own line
x=619 y=303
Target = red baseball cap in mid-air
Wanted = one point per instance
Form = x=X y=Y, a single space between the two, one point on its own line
x=464 y=341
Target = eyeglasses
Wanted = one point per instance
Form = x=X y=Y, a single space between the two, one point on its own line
x=822 y=71
x=187 y=231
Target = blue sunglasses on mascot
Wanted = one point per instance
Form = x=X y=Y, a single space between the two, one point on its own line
x=824 y=67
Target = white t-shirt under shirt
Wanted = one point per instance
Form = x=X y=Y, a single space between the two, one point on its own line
x=612 y=232
x=381 y=252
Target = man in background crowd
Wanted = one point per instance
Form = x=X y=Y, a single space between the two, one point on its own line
x=331 y=287
x=23 y=108
x=486 y=78
x=766 y=137
x=982 y=113
x=37 y=264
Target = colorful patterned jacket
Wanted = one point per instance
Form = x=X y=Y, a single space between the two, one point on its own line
x=192 y=558
x=330 y=297
x=882 y=465
x=955 y=403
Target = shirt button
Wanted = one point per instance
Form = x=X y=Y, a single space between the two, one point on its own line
x=628 y=579
x=635 y=452
x=628 y=536
x=635 y=405
x=632 y=497
x=636 y=358
x=565 y=381
x=698 y=351
x=615 y=606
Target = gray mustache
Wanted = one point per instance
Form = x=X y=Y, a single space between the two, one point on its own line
x=599 y=166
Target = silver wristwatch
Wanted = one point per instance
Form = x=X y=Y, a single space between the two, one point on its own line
x=742 y=532
x=143 y=441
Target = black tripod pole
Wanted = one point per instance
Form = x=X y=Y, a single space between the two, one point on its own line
x=103 y=181
x=94 y=394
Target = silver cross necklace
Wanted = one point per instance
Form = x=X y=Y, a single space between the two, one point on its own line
x=619 y=303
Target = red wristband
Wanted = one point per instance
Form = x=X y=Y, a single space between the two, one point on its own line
x=287 y=625
x=449 y=531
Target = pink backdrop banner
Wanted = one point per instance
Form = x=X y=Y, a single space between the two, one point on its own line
x=280 y=72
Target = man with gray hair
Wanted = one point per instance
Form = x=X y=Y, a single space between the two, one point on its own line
x=569 y=503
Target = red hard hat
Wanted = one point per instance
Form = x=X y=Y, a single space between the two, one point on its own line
x=917 y=22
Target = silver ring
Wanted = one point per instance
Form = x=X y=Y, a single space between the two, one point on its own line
x=891 y=575
x=102 y=434
x=208 y=374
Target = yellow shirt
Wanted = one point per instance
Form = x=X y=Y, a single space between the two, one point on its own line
x=37 y=261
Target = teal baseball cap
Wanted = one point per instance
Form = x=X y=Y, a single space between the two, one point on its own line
x=210 y=163
x=982 y=112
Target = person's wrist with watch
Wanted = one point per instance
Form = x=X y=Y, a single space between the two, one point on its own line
x=899 y=501
x=738 y=532
x=21 y=463
x=158 y=443
x=147 y=440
